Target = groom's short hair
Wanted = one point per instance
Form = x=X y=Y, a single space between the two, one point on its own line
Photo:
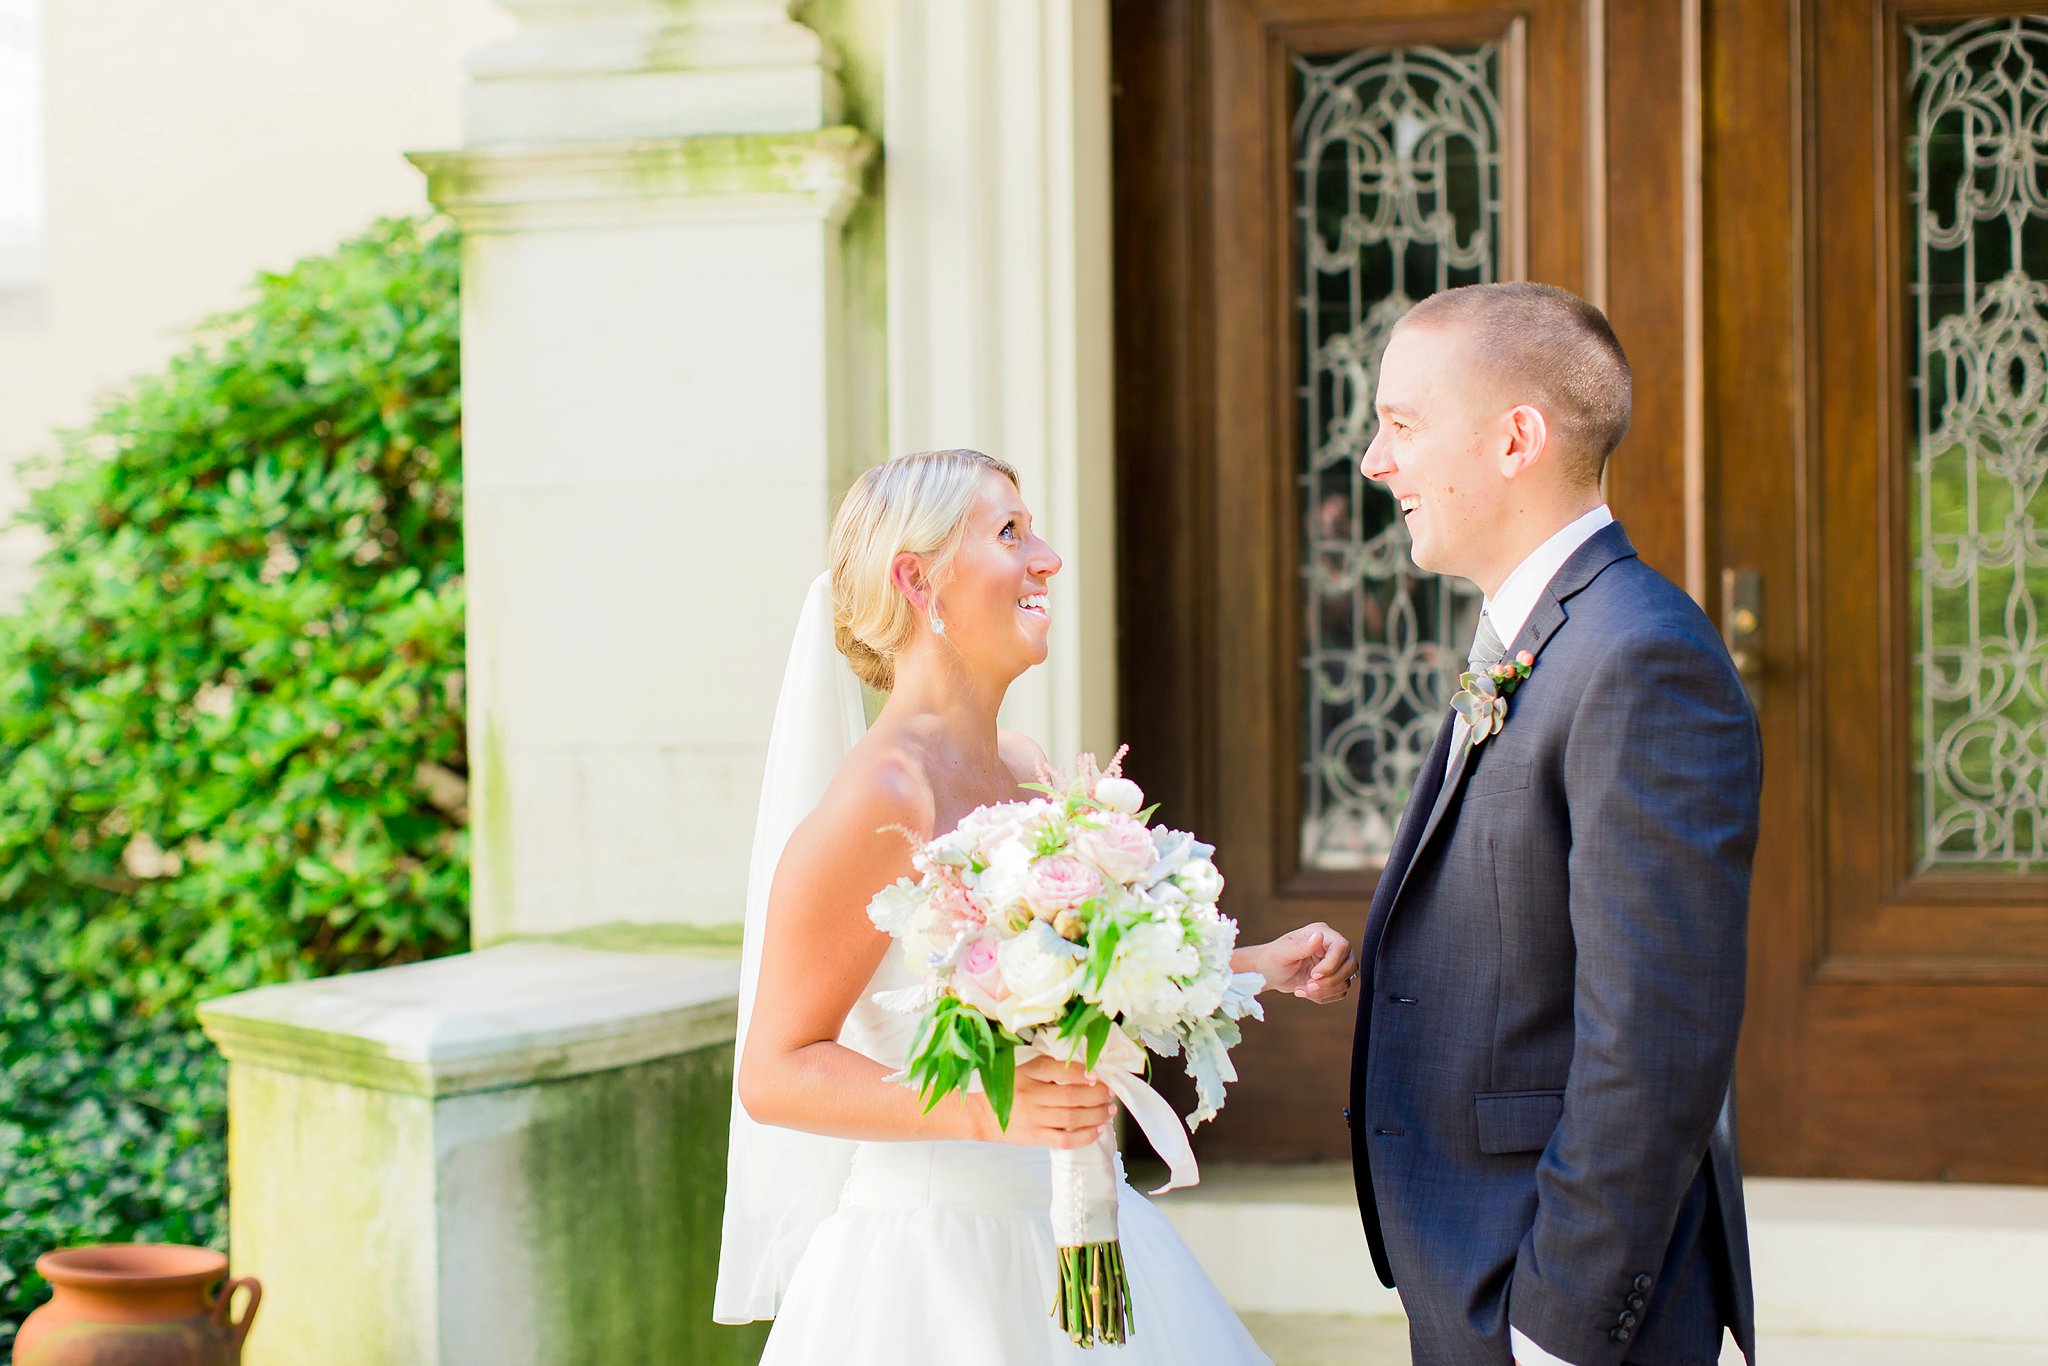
x=1549 y=348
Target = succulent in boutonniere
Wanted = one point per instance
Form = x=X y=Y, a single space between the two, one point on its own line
x=1482 y=698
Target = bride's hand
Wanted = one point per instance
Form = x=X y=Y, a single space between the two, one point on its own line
x=1314 y=962
x=1056 y=1106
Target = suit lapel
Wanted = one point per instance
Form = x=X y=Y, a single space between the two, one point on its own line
x=1601 y=549
x=1429 y=786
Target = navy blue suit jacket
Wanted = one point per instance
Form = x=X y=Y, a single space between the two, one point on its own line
x=1540 y=1126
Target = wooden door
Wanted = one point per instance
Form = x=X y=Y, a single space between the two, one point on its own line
x=1290 y=175
x=1819 y=228
x=1878 y=250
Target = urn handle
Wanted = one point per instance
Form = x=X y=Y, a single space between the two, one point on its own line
x=222 y=1307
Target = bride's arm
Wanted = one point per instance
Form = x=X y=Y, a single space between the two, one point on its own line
x=1314 y=962
x=818 y=954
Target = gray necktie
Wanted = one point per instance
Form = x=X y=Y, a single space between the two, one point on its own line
x=1487 y=649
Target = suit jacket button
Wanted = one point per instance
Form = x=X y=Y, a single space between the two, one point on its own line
x=1628 y=1318
x=1643 y=1283
x=1619 y=1335
x=1635 y=1300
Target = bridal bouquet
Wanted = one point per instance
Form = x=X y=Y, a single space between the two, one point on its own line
x=1067 y=925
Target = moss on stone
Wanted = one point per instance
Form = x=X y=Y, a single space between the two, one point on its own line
x=628 y=937
x=625 y=1176
x=491 y=917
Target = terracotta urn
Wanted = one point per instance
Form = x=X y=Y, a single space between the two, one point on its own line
x=136 y=1304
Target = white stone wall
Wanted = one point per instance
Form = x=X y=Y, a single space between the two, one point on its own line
x=187 y=147
x=996 y=142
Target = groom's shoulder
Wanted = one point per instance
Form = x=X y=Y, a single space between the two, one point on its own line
x=1631 y=598
x=1634 y=622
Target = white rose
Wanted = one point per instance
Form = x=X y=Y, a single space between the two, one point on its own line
x=1201 y=881
x=1120 y=794
x=1041 y=971
x=1139 y=986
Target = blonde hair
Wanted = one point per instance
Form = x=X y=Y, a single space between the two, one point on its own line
x=916 y=503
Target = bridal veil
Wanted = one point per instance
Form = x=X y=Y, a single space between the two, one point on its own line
x=780 y=1184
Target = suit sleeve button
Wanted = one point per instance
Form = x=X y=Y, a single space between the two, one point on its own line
x=1643 y=1283
x=1628 y=1318
x=1635 y=1299
x=1619 y=1335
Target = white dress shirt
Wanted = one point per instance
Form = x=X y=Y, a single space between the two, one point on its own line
x=1509 y=608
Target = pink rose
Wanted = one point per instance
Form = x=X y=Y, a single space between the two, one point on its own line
x=978 y=979
x=1062 y=884
x=1120 y=847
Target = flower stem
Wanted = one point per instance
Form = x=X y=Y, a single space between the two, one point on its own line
x=1094 y=1300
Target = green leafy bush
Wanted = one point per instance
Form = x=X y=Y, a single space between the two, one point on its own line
x=231 y=727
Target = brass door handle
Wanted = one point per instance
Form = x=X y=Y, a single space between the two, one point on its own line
x=1742 y=627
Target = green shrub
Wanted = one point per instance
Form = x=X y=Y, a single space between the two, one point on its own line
x=231 y=727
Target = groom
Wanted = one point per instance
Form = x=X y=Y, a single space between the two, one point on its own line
x=1540 y=1135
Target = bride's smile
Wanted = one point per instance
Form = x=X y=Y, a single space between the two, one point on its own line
x=1000 y=574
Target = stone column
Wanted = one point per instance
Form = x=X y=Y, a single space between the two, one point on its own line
x=999 y=298
x=652 y=197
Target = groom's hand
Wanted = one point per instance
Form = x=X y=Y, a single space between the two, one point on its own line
x=1314 y=962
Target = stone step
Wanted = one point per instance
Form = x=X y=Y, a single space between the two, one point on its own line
x=1334 y=1340
x=1846 y=1271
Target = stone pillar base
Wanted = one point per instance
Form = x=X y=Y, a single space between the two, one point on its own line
x=506 y=1158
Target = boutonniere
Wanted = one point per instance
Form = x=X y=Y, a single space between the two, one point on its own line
x=1482 y=699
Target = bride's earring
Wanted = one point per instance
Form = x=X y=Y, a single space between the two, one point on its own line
x=938 y=626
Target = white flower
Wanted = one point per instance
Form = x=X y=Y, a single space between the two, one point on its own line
x=1140 y=986
x=1215 y=935
x=1201 y=881
x=1204 y=996
x=1006 y=882
x=954 y=849
x=1042 y=972
x=1120 y=794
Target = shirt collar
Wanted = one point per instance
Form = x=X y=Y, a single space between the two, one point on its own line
x=1509 y=608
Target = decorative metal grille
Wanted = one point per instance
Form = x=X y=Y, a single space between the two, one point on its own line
x=1977 y=168
x=1398 y=194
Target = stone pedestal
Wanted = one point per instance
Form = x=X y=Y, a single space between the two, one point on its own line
x=652 y=197
x=506 y=1158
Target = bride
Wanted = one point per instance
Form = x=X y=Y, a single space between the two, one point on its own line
x=871 y=1230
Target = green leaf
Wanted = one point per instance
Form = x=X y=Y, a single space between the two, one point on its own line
x=1098 y=1037
x=207 y=654
x=999 y=1080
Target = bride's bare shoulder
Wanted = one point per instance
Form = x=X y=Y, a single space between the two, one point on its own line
x=1022 y=755
x=879 y=785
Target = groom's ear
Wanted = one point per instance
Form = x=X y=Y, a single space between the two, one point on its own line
x=1528 y=440
x=906 y=571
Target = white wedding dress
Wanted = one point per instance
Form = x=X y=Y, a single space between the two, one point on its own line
x=941 y=1254
x=912 y=1254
